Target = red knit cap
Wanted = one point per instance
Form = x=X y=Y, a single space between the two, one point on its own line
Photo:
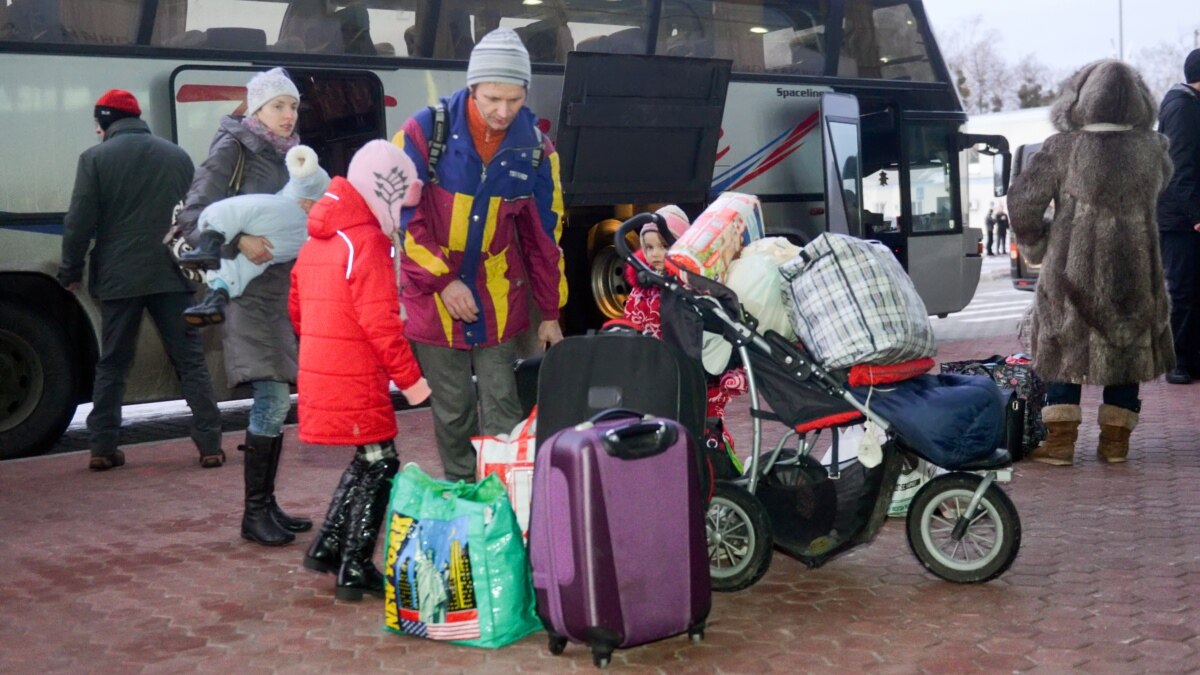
x=115 y=104
x=119 y=99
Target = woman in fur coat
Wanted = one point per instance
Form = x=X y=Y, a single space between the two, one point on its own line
x=1101 y=314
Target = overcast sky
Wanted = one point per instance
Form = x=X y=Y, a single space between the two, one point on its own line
x=1066 y=34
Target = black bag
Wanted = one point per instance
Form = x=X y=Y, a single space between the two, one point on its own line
x=1024 y=429
x=584 y=375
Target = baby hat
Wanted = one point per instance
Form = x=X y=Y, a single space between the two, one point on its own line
x=677 y=220
x=387 y=180
x=499 y=57
x=265 y=86
x=115 y=104
x=308 y=179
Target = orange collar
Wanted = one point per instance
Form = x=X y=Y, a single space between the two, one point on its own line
x=487 y=141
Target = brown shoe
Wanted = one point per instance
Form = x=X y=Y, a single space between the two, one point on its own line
x=106 y=462
x=1116 y=424
x=1062 y=427
x=213 y=461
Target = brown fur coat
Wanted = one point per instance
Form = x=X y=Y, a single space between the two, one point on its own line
x=1101 y=313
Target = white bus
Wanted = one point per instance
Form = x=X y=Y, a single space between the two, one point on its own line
x=840 y=114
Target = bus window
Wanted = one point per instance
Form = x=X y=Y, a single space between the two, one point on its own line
x=883 y=41
x=844 y=139
x=930 y=151
x=773 y=37
x=80 y=21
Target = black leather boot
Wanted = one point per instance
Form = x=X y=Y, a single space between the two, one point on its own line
x=207 y=254
x=325 y=553
x=258 y=525
x=211 y=309
x=289 y=523
x=358 y=575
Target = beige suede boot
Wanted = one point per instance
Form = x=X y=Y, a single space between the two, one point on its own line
x=1062 y=426
x=1116 y=424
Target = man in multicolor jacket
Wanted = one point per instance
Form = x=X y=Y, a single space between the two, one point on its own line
x=487 y=226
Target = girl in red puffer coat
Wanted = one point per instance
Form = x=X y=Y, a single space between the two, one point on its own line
x=345 y=305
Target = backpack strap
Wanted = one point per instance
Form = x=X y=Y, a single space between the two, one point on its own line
x=537 y=153
x=437 y=143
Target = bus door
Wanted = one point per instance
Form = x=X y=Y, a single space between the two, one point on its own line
x=912 y=201
x=840 y=149
x=340 y=110
x=942 y=253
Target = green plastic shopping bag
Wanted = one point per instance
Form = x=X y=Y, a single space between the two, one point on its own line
x=455 y=563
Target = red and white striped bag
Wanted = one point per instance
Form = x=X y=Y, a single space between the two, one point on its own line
x=510 y=457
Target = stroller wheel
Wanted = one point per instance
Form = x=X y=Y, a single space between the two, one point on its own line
x=739 y=538
x=954 y=548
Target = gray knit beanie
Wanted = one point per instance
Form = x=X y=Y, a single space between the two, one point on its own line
x=265 y=86
x=499 y=57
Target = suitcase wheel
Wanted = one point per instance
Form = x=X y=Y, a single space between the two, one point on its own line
x=601 y=657
x=557 y=644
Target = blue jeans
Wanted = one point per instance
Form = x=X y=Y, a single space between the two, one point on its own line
x=272 y=401
x=1121 y=395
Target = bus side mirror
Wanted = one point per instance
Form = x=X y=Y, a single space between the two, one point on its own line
x=1001 y=170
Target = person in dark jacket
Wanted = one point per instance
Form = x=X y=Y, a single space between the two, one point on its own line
x=125 y=190
x=1179 y=218
x=345 y=304
x=1001 y=235
x=259 y=345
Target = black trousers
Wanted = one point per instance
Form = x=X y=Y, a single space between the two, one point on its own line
x=1181 y=267
x=119 y=324
x=1001 y=241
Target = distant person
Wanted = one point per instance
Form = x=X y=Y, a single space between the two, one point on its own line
x=125 y=191
x=1001 y=227
x=282 y=218
x=247 y=157
x=1179 y=218
x=481 y=244
x=1101 y=309
x=989 y=224
x=344 y=304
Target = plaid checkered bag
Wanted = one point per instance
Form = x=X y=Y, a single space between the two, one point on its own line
x=851 y=302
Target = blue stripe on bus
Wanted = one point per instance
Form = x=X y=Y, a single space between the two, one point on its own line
x=732 y=174
x=40 y=228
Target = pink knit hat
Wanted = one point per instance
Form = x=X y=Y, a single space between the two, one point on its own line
x=387 y=180
x=677 y=220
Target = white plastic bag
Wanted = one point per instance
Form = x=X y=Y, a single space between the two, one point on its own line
x=755 y=277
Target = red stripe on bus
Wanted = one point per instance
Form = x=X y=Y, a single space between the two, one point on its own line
x=199 y=93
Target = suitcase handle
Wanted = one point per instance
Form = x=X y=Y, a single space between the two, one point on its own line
x=644 y=439
x=612 y=414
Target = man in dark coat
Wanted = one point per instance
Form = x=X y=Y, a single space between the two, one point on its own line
x=125 y=190
x=1179 y=218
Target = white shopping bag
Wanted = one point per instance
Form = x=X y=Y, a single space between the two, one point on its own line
x=510 y=457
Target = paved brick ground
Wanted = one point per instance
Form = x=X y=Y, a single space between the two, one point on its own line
x=140 y=570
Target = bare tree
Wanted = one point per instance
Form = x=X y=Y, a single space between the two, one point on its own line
x=1035 y=84
x=1161 y=65
x=979 y=69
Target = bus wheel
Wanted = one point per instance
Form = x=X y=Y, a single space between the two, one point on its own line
x=607 y=271
x=37 y=384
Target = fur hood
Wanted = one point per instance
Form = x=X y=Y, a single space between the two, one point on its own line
x=1104 y=92
x=1101 y=314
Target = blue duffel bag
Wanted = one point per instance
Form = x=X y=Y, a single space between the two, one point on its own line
x=948 y=419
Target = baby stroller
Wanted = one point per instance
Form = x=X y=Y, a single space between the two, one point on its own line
x=960 y=525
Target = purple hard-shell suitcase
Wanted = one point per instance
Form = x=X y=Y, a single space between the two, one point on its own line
x=617 y=538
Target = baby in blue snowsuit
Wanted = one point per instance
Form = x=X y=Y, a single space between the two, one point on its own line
x=282 y=218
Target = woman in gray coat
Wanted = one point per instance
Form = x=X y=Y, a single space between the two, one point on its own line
x=1101 y=314
x=247 y=156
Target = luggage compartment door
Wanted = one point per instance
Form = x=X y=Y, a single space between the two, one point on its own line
x=843 y=173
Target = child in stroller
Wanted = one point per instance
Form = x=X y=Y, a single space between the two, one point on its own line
x=961 y=525
x=643 y=314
